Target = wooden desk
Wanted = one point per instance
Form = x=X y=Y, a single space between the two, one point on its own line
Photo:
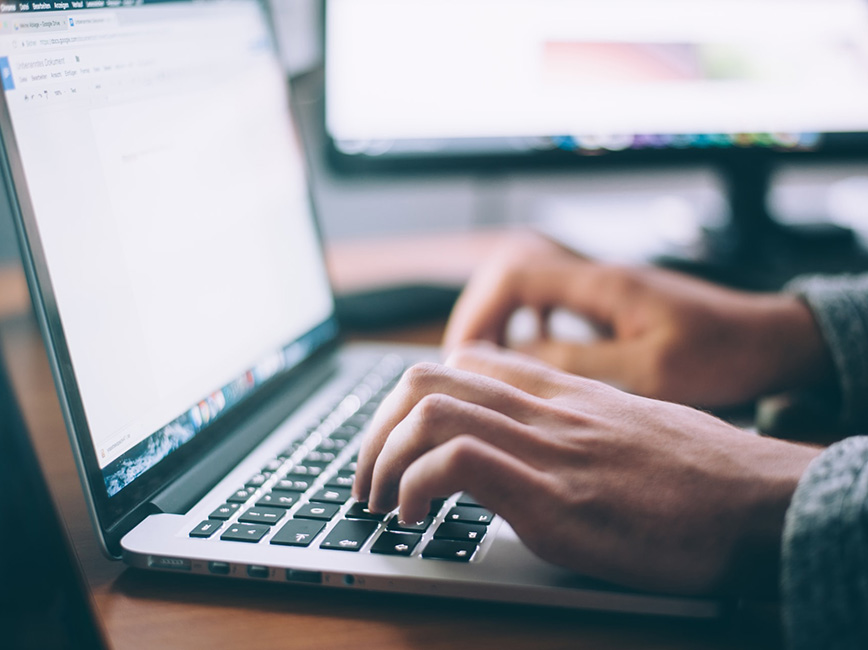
x=150 y=610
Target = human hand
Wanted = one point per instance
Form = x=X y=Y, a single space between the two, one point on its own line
x=663 y=335
x=615 y=486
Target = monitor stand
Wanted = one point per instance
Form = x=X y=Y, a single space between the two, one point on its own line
x=756 y=251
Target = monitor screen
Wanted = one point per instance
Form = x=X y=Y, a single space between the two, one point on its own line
x=417 y=78
x=163 y=191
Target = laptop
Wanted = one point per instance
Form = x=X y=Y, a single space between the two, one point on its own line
x=44 y=601
x=173 y=257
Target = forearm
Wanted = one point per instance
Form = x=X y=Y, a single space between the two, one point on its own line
x=824 y=568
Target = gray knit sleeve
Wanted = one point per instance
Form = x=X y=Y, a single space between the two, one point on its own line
x=824 y=559
x=840 y=307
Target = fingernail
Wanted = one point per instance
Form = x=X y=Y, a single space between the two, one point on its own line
x=406 y=515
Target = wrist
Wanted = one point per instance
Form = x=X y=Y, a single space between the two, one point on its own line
x=798 y=357
x=755 y=563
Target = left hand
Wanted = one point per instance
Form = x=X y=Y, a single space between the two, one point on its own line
x=615 y=486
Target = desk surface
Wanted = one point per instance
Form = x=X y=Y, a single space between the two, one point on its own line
x=150 y=610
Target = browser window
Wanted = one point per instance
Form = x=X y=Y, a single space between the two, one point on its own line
x=169 y=194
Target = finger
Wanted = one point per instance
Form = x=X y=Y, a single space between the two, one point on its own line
x=483 y=309
x=436 y=420
x=615 y=362
x=427 y=379
x=527 y=373
x=496 y=479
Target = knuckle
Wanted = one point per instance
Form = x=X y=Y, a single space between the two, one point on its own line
x=432 y=410
x=418 y=378
x=462 y=453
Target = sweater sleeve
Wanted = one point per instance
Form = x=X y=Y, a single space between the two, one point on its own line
x=840 y=306
x=824 y=559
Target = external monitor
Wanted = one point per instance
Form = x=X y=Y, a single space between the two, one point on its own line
x=415 y=79
x=411 y=84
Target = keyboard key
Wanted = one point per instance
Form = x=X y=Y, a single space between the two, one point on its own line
x=360 y=511
x=294 y=447
x=470 y=515
x=391 y=543
x=350 y=467
x=272 y=465
x=317 y=456
x=436 y=507
x=331 y=445
x=344 y=433
x=349 y=535
x=324 y=511
x=371 y=407
x=468 y=500
x=206 y=529
x=341 y=481
x=242 y=495
x=258 y=515
x=225 y=511
x=279 y=499
x=461 y=532
x=444 y=549
x=331 y=495
x=256 y=481
x=410 y=526
x=294 y=484
x=245 y=533
x=305 y=470
x=322 y=464
x=298 y=532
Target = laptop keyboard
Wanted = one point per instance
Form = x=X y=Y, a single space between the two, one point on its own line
x=302 y=498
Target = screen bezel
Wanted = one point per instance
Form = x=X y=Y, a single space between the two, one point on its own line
x=832 y=146
x=115 y=516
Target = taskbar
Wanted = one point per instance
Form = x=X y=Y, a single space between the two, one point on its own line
x=579 y=144
x=122 y=471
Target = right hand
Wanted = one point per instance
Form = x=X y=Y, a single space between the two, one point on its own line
x=589 y=477
x=664 y=335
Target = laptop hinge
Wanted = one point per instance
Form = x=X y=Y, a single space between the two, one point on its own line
x=185 y=491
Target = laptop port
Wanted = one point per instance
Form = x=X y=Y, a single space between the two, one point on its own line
x=171 y=563
x=255 y=571
x=298 y=575
x=219 y=568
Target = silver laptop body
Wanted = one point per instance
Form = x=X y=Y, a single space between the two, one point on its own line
x=175 y=267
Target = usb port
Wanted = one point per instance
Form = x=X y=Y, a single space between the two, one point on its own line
x=298 y=575
x=219 y=568
x=255 y=571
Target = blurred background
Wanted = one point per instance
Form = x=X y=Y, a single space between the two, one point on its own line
x=663 y=204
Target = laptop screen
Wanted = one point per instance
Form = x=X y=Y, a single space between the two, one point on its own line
x=167 y=190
